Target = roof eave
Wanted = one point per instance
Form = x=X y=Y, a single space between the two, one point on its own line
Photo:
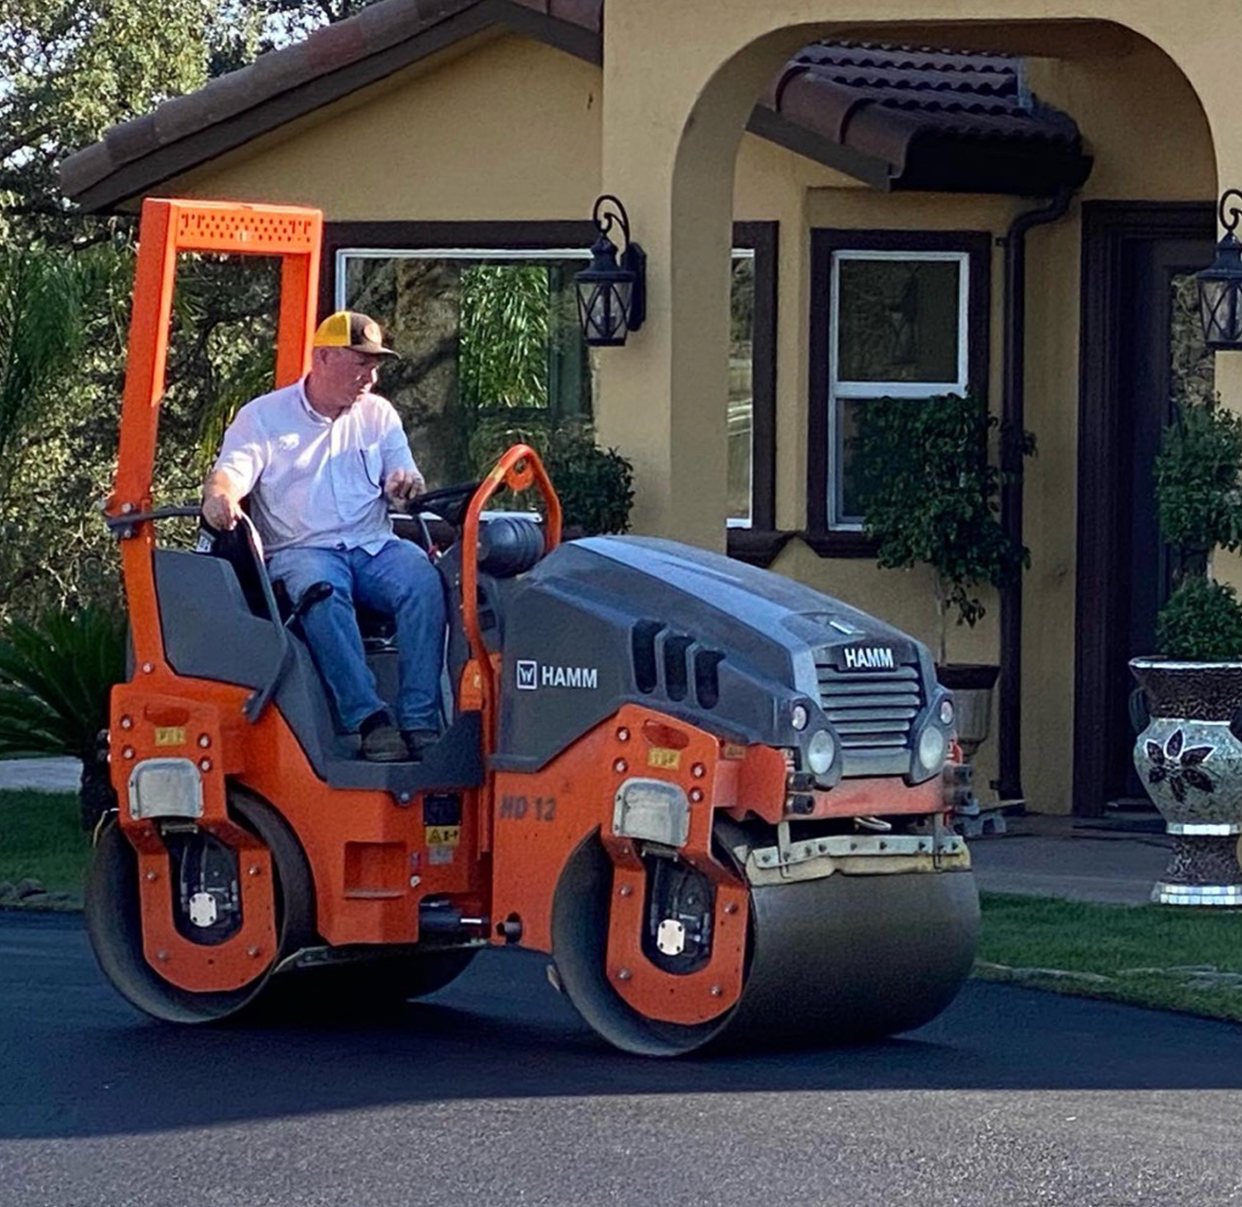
x=869 y=169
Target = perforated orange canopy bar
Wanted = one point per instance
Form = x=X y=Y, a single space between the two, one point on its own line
x=168 y=227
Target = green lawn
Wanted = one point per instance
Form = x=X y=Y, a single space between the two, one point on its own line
x=41 y=839
x=1171 y=957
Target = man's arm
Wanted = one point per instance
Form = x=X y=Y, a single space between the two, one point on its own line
x=402 y=478
x=236 y=471
x=222 y=496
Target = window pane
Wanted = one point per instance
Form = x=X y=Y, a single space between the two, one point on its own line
x=741 y=392
x=898 y=320
x=488 y=347
x=851 y=470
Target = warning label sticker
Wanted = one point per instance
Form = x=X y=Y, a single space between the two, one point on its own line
x=442 y=836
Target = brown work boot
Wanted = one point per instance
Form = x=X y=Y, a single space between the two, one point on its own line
x=381 y=740
x=419 y=741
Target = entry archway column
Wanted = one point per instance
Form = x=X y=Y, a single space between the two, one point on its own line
x=670 y=139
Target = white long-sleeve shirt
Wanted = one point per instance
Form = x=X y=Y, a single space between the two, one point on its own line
x=314 y=481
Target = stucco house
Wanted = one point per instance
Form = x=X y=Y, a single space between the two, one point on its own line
x=1028 y=200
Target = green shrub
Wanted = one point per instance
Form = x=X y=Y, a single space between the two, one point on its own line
x=595 y=485
x=1202 y=622
x=1199 y=505
x=931 y=495
x=1197 y=487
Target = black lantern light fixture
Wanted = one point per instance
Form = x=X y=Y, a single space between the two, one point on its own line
x=612 y=292
x=1220 y=287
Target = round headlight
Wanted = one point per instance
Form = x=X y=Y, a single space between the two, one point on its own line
x=946 y=712
x=819 y=752
x=932 y=748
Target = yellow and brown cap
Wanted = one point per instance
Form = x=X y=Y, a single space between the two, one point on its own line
x=349 y=329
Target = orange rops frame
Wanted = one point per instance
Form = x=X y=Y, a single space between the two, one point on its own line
x=167 y=228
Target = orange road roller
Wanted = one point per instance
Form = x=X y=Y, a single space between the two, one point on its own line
x=716 y=801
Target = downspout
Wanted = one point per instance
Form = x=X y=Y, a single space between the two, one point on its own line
x=1013 y=416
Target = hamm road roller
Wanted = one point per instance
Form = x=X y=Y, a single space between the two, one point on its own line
x=715 y=801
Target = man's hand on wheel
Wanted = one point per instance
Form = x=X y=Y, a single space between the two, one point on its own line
x=403 y=484
x=221 y=512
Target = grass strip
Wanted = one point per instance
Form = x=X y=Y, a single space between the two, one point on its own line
x=42 y=839
x=1167 y=957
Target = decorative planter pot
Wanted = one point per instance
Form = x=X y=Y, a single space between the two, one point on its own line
x=1189 y=758
x=971 y=686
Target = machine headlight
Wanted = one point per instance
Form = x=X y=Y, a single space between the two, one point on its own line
x=165 y=788
x=653 y=810
x=932 y=748
x=819 y=752
x=946 y=712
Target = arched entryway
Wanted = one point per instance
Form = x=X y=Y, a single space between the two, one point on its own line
x=660 y=394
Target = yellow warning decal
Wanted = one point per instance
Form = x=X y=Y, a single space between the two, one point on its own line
x=170 y=735
x=443 y=836
x=662 y=756
x=731 y=750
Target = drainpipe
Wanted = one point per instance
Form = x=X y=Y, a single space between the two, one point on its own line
x=1013 y=411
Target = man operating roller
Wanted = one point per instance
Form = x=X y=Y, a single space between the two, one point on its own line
x=321 y=460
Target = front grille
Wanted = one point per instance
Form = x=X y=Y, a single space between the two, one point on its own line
x=871 y=710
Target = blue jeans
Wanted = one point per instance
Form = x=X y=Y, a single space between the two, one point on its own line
x=398 y=581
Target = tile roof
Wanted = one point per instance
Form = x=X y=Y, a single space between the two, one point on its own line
x=908 y=106
x=893 y=116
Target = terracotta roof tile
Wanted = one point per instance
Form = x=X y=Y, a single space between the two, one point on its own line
x=879 y=100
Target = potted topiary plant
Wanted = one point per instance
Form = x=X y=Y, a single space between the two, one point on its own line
x=1189 y=708
x=931 y=496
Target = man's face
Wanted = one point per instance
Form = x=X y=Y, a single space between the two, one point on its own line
x=343 y=376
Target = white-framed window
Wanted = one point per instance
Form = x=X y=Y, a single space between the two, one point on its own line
x=898 y=327
x=491 y=334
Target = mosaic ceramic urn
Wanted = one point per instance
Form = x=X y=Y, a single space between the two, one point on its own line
x=1189 y=758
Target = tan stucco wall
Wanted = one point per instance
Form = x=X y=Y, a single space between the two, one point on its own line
x=516 y=130
x=1140 y=117
x=511 y=131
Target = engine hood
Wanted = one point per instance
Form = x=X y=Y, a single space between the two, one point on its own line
x=729 y=647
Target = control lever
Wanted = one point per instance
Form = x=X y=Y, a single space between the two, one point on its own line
x=315 y=593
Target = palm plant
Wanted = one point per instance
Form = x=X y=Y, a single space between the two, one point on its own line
x=56 y=677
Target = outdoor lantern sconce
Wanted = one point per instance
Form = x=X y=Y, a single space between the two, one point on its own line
x=612 y=293
x=1220 y=287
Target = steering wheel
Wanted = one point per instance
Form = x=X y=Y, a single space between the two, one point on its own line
x=449 y=502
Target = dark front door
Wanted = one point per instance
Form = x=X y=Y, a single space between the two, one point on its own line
x=1142 y=349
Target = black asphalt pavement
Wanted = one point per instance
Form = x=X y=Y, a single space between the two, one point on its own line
x=494 y=1093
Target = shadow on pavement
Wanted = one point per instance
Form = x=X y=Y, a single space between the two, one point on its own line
x=77 y=1061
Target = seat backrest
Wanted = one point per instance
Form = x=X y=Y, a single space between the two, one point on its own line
x=235 y=547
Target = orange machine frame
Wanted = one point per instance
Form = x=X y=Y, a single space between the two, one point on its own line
x=169 y=227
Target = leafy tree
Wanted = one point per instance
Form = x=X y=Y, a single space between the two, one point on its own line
x=69 y=69
x=72 y=68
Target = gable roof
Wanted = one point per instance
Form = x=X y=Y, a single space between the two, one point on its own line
x=892 y=117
